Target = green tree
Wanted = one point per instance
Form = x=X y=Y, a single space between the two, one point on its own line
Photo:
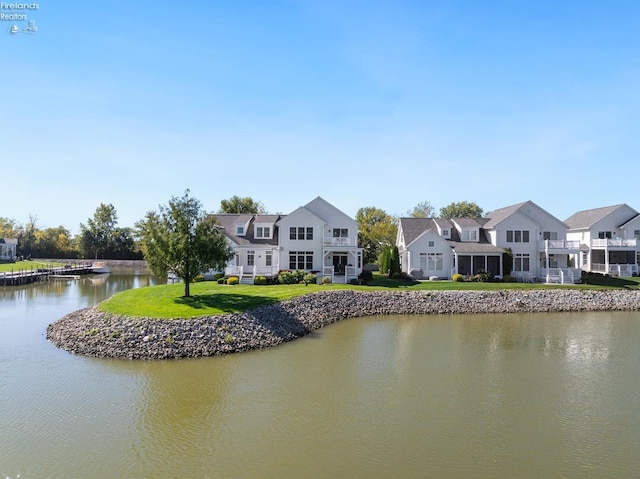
x=246 y=205
x=181 y=238
x=422 y=210
x=377 y=229
x=385 y=260
x=9 y=228
x=98 y=236
x=462 y=209
x=394 y=262
x=53 y=243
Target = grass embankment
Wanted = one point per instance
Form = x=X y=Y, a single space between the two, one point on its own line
x=211 y=298
x=26 y=265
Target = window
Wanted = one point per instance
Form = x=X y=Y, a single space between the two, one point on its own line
x=300 y=233
x=517 y=236
x=549 y=235
x=469 y=235
x=340 y=232
x=263 y=232
x=605 y=234
x=240 y=230
x=434 y=261
x=268 y=258
x=636 y=234
x=445 y=233
x=251 y=258
x=301 y=260
x=432 y=244
x=521 y=262
x=431 y=261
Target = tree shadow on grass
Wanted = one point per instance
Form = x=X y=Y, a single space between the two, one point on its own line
x=611 y=281
x=226 y=302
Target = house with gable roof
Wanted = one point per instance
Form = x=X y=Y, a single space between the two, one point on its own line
x=441 y=247
x=319 y=237
x=316 y=237
x=538 y=243
x=536 y=240
x=608 y=238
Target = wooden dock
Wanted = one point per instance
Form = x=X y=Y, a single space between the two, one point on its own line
x=35 y=275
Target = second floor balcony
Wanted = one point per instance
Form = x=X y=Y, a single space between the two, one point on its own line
x=559 y=245
x=614 y=243
x=340 y=241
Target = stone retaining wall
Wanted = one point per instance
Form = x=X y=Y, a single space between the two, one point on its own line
x=95 y=333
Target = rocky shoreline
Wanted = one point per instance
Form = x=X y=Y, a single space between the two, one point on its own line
x=94 y=333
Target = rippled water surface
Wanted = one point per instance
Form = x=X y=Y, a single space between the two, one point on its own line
x=487 y=396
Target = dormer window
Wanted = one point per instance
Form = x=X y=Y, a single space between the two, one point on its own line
x=469 y=235
x=263 y=232
x=240 y=230
x=446 y=233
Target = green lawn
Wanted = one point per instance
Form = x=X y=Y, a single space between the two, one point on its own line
x=209 y=298
x=28 y=265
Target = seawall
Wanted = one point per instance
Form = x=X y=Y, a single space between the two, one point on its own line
x=94 y=333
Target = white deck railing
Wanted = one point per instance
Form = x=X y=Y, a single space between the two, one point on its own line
x=348 y=241
x=550 y=245
x=617 y=269
x=350 y=272
x=618 y=242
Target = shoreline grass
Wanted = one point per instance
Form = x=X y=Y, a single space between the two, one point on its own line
x=210 y=298
x=27 y=265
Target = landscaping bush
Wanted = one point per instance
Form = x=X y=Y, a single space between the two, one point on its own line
x=365 y=277
x=482 y=277
x=221 y=281
x=199 y=278
x=218 y=276
x=458 y=278
x=309 y=278
x=260 y=280
x=233 y=280
x=326 y=280
x=287 y=277
x=353 y=281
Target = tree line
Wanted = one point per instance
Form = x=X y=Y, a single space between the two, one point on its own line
x=101 y=237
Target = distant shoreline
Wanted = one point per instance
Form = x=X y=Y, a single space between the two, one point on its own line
x=95 y=333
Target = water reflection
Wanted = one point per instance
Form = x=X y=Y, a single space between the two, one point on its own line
x=479 y=396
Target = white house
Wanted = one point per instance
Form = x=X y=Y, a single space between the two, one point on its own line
x=8 y=248
x=536 y=240
x=439 y=247
x=316 y=237
x=254 y=240
x=608 y=239
x=319 y=237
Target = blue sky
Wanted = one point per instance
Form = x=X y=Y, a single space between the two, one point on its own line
x=365 y=103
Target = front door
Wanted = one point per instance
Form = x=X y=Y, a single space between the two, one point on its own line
x=339 y=263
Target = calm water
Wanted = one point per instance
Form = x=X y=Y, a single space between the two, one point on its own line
x=525 y=396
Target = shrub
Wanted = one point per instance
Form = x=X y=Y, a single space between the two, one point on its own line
x=260 y=280
x=309 y=278
x=458 y=278
x=483 y=277
x=326 y=280
x=365 y=277
x=233 y=280
x=199 y=278
x=353 y=281
x=287 y=277
x=221 y=281
x=218 y=276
